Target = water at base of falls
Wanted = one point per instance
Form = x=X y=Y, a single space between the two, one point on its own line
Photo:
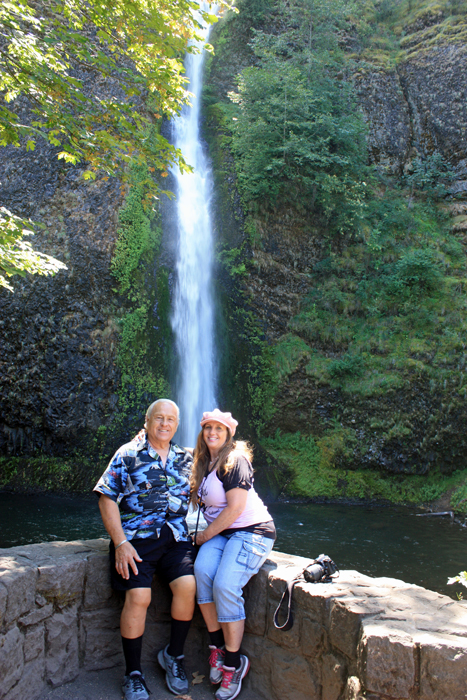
x=375 y=540
x=193 y=309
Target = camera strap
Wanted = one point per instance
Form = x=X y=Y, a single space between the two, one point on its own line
x=328 y=568
x=288 y=591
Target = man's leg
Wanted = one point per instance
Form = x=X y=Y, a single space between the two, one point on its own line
x=132 y=623
x=182 y=609
x=177 y=568
x=137 y=589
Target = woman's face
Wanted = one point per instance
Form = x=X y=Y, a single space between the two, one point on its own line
x=215 y=436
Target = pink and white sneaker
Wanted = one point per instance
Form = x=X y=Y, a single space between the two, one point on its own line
x=232 y=680
x=216 y=663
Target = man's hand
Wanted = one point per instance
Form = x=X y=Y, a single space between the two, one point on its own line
x=126 y=555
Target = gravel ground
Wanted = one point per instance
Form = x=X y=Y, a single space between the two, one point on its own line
x=106 y=685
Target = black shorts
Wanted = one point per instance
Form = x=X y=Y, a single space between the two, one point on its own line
x=164 y=556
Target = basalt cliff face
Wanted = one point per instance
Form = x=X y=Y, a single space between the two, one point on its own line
x=59 y=336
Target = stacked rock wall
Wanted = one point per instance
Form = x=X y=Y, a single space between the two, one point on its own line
x=356 y=638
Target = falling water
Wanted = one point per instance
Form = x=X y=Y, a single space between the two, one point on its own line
x=193 y=311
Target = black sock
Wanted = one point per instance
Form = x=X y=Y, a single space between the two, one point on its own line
x=178 y=635
x=232 y=659
x=217 y=638
x=132 y=654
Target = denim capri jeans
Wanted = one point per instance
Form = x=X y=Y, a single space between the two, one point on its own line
x=224 y=565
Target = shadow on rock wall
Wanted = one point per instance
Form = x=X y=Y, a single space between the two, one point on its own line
x=58 y=377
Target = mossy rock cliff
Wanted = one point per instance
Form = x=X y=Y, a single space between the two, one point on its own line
x=347 y=325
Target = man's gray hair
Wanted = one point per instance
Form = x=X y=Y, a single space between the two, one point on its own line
x=154 y=404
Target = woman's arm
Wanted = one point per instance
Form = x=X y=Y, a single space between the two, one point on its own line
x=236 y=502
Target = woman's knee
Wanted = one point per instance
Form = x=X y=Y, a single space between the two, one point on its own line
x=202 y=575
x=226 y=592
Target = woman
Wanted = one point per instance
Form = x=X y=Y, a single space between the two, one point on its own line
x=239 y=536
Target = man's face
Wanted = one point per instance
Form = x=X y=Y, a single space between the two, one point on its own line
x=163 y=424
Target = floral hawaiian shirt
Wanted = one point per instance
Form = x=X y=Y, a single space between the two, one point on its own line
x=149 y=494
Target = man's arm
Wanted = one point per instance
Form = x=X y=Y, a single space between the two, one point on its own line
x=125 y=555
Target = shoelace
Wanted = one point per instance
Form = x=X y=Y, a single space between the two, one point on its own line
x=227 y=677
x=215 y=657
x=137 y=682
x=178 y=670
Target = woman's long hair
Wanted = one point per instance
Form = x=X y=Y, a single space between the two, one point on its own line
x=224 y=462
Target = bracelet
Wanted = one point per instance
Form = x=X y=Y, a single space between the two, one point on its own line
x=119 y=545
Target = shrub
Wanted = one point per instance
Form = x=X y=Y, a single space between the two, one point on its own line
x=348 y=366
x=419 y=269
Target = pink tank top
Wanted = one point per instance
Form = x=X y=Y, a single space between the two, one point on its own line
x=212 y=494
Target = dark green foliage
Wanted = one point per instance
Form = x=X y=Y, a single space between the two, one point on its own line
x=349 y=365
x=431 y=175
x=371 y=366
x=253 y=13
x=419 y=271
x=298 y=137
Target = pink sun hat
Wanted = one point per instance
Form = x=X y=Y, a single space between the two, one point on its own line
x=224 y=418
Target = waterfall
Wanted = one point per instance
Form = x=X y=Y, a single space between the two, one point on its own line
x=193 y=309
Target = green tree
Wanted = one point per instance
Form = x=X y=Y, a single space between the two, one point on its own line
x=299 y=137
x=17 y=256
x=131 y=51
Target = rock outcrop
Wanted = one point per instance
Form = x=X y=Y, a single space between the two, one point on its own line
x=358 y=637
x=58 y=377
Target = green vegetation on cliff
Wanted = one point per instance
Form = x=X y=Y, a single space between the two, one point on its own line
x=357 y=390
x=51 y=52
x=142 y=349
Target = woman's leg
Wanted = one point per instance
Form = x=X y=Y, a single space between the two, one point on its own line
x=242 y=557
x=233 y=634
x=206 y=565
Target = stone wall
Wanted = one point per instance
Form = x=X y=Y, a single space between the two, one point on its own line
x=359 y=637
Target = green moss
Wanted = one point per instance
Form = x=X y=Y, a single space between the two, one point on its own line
x=142 y=355
x=76 y=473
x=136 y=236
x=312 y=471
x=287 y=354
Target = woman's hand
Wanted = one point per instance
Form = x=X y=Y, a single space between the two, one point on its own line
x=201 y=538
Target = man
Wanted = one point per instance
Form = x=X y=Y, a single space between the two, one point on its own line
x=143 y=501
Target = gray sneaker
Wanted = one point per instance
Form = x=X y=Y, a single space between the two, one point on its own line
x=175 y=675
x=232 y=680
x=134 y=687
x=216 y=664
